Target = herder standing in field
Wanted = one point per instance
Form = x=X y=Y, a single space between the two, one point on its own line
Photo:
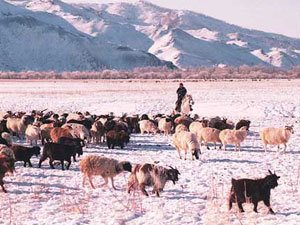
x=181 y=92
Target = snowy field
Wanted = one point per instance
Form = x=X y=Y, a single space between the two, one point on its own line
x=46 y=196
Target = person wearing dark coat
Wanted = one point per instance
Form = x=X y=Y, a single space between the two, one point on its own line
x=181 y=92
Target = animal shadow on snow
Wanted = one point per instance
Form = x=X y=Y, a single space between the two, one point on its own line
x=150 y=145
x=232 y=161
x=27 y=184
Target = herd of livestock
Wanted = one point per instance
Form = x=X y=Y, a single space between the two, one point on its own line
x=63 y=136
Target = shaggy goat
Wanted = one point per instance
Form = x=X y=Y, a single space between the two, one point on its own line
x=151 y=175
x=254 y=191
x=93 y=165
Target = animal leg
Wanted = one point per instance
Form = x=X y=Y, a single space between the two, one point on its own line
x=240 y=207
x=278 y=148
x=2 y=183
x=91 y=183
x=230 y=204
x=83 y=180
x=267 y=203
x=184 y=155
x=105 y=182
x=25 y=163
x=224 y=144
x=62 y=164
x=255 y=206
x=28 y=163
x=215 y=144
x=284 y=146
x=42 y=159
x=265 y=147
x=178 y=153
x=207 y=146
x=112 y=183
x=142 y=187
x=69 y=163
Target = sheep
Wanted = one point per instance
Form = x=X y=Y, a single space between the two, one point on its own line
x=116 y=138
x=79 y=130
x=276 y=136
x=165 y=125
x=196 y=126
x=55 y=151
x=97 y=132
x=58 y=132
x=77 y=142
x=147 y=126
x=254 y=191
x=18 y=126
x=185 y=120
x=151 y=175
x=208 y=134
x=33 y=134
x=235 y=137
x=46 y=129
x=74 y=116
x=6 y=139
x=181 y=127
x=242 y=123
x=22 y=153
x=5 y=166
x=93 y=165
x=186 y=141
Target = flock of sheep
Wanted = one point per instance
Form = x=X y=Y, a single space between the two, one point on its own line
x=63 y=136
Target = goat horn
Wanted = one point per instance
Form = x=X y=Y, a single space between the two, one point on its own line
x=270 y=172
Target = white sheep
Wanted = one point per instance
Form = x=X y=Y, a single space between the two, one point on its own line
x=165 y=125
x=181 y=127
x=7 y=137
x=74 y=116
x=208 y=134
x=186 y=141
x=196 y=126
x=148 y=126
x=94 y=165
x=235 y=137
x=33 y=134
x=276 y=136
x=16 y=125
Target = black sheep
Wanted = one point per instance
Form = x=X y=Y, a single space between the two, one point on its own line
x=253 y=191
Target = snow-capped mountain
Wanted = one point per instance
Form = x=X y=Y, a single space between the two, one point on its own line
x=124 y=35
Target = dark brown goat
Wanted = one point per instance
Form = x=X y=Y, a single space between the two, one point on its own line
x=24 y=154
x=77 y=142
x=243 y=123
x=59 y=152
x=253 y=191
x=5 y=166
x=117 y=138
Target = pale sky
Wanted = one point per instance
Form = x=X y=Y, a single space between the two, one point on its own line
x=277 y=16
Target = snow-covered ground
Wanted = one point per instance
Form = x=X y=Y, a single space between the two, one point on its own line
x=46 y=196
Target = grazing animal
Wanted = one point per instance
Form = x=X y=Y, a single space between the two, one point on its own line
x=5 y=166
x=208 y=134
x=133 y=124
x=93 y=165
x=46 y=129
x=33 y=134
x=97 y=132
x=276 y=136
x=235 y=137
x=186 y=141
x=6 y=139
x=151 y=175
x=76 y=142
x=253 y=191
x=185 y=120
x=18 y=126
x=78 y=130
x=165 y=125
x=220 y=124
x=242 y=123
x=116 y=138
x=24 y=154
x=57 y=132
x=55 y=151
x=148 y=126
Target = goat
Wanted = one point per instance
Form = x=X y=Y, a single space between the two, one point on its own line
x=254 y=191
x=24 y=154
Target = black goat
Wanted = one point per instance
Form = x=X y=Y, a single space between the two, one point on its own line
x=24 y=154
x=77 y=142
x=253 y=191
x=59 y=152
x=87 y=123
x=243 y=123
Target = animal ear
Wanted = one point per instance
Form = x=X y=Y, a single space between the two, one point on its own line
x=270 y=172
